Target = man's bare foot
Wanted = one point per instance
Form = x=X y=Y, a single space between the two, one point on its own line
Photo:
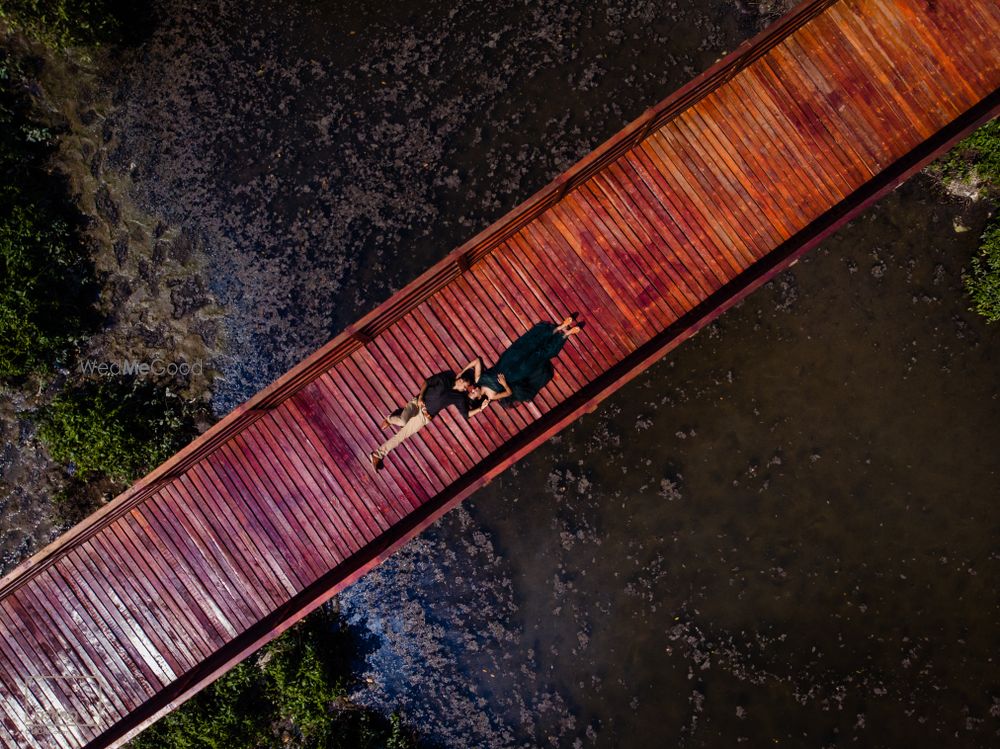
x=384 y=424
x=376 y=461
x=574 y=330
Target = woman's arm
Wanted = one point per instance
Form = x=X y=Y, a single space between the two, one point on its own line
x=476 y=365
x=506 y=388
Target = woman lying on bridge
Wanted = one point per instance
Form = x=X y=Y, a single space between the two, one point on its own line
x=523 y=369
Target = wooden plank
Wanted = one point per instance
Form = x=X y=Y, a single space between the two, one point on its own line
x=823 y=142
x=662 y=277
x=261 y=535
x=787 y=148
x=354 y=520
x=325 y=405
x=241 y=466
x=718 y=185
x=317 y=497
x=675 y=231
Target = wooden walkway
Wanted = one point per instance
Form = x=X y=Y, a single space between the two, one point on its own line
x=661 y=229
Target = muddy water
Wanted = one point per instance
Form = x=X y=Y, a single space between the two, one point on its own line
x=783 y=534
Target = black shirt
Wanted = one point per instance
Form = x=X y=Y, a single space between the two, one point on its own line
x=441 y=393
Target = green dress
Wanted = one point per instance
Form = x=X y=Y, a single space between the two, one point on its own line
x=526 y=364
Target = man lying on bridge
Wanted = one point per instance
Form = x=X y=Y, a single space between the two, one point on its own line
x=438 y=393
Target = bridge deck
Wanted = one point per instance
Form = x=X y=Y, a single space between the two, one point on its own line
x=662 y=228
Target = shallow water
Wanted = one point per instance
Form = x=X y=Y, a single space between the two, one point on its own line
x=783 y=534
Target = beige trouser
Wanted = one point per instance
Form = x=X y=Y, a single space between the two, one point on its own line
x=410 y=419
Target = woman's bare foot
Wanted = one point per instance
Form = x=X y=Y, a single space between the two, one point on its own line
x=573 y=331
x=384 y=424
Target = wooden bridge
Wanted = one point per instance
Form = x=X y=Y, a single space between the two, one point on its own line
x=661 y=229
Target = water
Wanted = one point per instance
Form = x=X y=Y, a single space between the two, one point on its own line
x=784 y=534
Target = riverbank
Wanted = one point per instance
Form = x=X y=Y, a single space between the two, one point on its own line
x=149 y=299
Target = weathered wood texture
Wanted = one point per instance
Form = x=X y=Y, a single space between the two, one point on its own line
x=681 y=214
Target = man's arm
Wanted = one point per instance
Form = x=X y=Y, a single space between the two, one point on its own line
x=478 y=409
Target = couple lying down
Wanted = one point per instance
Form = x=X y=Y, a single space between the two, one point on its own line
x=517 y=377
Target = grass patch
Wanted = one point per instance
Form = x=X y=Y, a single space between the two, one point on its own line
x=291 y=693
x=976 y=159
x=982 y=281
x=79 y=23
x=115 y=428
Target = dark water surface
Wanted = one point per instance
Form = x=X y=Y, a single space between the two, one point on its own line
x=785 y=534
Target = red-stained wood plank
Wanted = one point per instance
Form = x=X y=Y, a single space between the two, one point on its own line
x=233 y=528
x=165 y=614
x=363 y=396
x=665 y=268
x=965 y=67
x=217 y=548
x=822 y=141
x=353 y=520
x=535 y=306
x=727 y=110
x=178 y=598
x=118 y=618
x=317 y=496
x=30 y=631
x=566 y=298
x=41 y=697
x=661 y=281
x=595 y=271
x=237 y=468
x=881 y=70
x=863 y=98
x=909 y=73
x=159 y=647
x=281 y=470
x=769 y=223
x=324 y=413
x=619 y=280
x=718 y=185
x=858 y=130
x=209 y=584
x=787 y=148
x=215 y=579
x=660 y=218
x=704 y=193
x=367 y=520
x=574 y=286
x=250 y=517
x=893 y=25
